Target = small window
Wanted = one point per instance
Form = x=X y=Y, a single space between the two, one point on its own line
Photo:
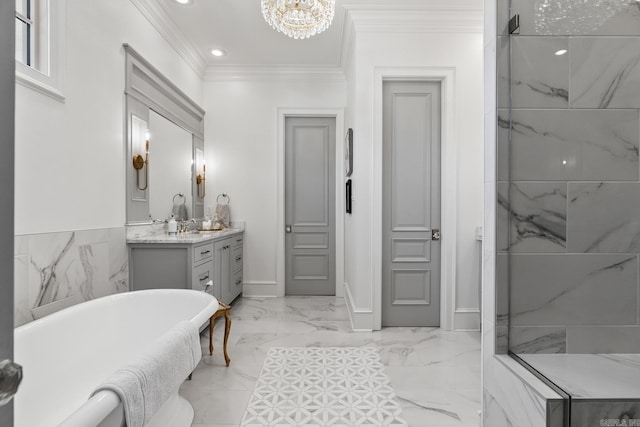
x=40 y=45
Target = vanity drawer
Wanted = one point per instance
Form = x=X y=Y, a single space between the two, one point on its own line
x=236 y=259
x=236 y=284
x=201 y=276
x=202 y=252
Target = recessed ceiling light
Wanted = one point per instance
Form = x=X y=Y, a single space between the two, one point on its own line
x=183 y=1
x=218 y=52
x=561 y=52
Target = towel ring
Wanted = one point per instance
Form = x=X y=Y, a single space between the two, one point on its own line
x=224 y=196
x=179 y=195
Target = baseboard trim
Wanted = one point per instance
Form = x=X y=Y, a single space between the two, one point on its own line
x=466 y=319
x=361 y=319
x=260 y=290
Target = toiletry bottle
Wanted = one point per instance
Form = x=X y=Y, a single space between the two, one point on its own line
x=173 y=226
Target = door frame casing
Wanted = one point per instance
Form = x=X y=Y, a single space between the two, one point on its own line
x=448 y=185
x=338 y=114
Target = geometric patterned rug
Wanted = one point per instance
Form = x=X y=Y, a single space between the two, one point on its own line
x=323 y=386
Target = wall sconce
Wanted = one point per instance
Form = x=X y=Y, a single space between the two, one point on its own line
x=200 y=181
x=140 y=162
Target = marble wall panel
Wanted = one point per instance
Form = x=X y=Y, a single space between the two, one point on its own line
x=573 y=289
x=118 y=260
x=502 y=303
x=503 y=64
x=569 y=145
x=502 y=19
x=538 y=339
x=594 y=413
x=532 y=216
x=605 y=72
x=539 y=72
x=577 y=17
x=22 y=313
x=603 y=339
x=604 y=217
x=57 y=270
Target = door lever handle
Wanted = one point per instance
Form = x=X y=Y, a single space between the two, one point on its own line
x=435 y=234
x=287 y=229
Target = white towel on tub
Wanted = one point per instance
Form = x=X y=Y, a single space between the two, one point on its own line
x=146 y=383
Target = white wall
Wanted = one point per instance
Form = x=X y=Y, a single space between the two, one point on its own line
x=241 y=149
x=464 y=52
x=70 y=156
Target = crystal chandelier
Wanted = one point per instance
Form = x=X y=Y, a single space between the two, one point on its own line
x=299 y=19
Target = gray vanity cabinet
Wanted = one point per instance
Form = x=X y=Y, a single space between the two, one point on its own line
x=229 y=254
x=174 y=264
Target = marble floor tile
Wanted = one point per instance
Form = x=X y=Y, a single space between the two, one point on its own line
x=435 y=373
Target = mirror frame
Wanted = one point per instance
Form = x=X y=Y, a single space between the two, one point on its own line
x=147 y=89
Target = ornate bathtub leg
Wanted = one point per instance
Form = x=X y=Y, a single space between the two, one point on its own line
x=227 y=329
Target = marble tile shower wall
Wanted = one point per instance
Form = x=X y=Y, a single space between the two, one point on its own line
x=56 y=270
x=568 y=211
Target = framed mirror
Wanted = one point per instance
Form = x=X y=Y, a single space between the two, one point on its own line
x=165 y=146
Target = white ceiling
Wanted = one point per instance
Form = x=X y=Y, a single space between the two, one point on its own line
x=237 y=26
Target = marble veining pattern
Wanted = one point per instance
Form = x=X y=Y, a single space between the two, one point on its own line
x=538 y=339
x=595 y=226
x=605 y=72
x=435 y=374
x=323 y=386
x=569 y=145
x=517 y=397
x=536 y=214
x=574 y=289
x=539 y=77
x=56 y=270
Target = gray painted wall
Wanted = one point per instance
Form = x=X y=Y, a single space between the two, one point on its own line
x=7 y=102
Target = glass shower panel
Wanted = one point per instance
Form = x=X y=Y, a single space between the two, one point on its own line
x=568 y=207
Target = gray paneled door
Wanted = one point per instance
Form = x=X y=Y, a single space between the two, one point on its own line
x=7 y=111
x=411 y=204
x=310 y=205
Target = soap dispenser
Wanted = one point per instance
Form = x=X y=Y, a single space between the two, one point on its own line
x=173 y=226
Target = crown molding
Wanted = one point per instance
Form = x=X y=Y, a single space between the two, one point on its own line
x=417 y=20
x=257 y=73
x=157 y=14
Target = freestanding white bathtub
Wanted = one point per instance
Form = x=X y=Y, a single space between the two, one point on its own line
x=67 y=354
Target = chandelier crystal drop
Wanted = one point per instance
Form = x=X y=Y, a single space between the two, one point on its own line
x=299 y=19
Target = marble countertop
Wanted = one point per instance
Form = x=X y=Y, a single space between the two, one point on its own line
x=197 y=237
